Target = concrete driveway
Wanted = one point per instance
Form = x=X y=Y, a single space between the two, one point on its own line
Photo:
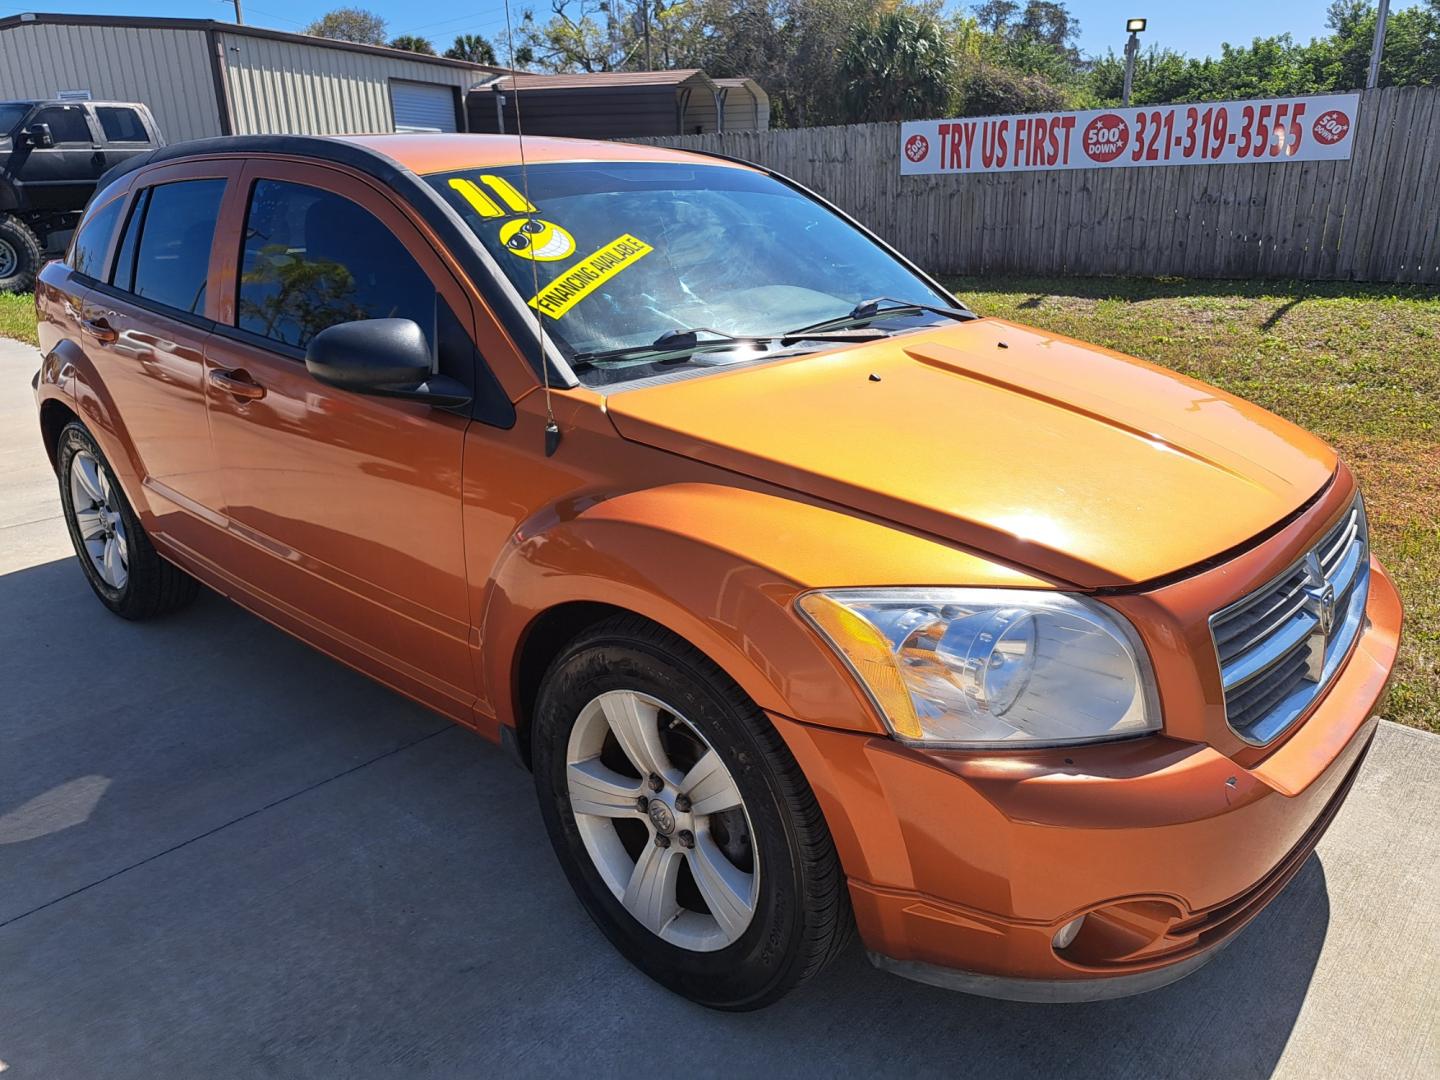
x=222 y=854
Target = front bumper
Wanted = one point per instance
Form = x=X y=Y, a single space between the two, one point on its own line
x=964 y=866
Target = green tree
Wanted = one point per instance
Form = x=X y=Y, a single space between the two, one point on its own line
x=1276 y=66
x=792 y=48
x=1341 y=61
x=350 y=24
x=578 y=36
x=996 y=16
x=472 y=47
x=990 y=90
x=898 y=67
x=412 y=43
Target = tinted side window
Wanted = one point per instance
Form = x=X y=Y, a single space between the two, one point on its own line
x=173 y=256
x=312 y=259
x=66 y=125
x=87 y=256
x=121 y=125
x=123 y=275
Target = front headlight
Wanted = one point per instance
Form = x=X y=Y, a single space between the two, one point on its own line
x=991 y=667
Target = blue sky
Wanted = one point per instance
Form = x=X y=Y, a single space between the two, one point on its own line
x=1196 y=28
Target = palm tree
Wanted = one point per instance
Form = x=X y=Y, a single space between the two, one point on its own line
x=898 y=66
x=472 y=47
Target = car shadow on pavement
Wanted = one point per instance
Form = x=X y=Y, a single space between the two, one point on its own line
x=222 y=854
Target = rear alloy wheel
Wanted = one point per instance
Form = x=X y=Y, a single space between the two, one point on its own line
x=122 y=566
x=98 y=519
x=682 y=820
x=20 y=255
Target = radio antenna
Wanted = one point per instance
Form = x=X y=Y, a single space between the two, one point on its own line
x=552 y=429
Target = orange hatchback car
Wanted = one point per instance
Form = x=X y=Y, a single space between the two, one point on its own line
x=815 y=601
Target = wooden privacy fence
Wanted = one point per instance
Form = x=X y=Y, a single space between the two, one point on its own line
x=1375 y=217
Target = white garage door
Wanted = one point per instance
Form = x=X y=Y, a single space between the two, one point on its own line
x=422 y=106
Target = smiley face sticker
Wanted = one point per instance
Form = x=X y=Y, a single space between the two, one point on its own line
x=533 y=238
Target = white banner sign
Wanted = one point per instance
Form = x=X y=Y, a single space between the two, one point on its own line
x=1318 y=128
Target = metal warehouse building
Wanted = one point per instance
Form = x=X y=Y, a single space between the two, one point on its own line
x=203 y=78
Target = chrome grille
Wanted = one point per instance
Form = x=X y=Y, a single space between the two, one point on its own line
x=1279 y=647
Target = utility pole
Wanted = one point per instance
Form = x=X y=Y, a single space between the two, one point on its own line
x=239 y=17
x=645 y=28
x=1132 y=46
x=1380 y=20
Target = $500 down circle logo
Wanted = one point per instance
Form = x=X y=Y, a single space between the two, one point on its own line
x=1330 y=127
x=1106 y=137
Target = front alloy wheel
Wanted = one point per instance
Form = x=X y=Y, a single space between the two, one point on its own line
x=663 y=821
x=681 y=819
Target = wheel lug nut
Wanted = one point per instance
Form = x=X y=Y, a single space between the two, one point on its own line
x=661 y=840
x=642 y=804
x=682 y=803
x=656 y=784
x=687 y=838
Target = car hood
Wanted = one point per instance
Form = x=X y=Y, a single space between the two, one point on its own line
x=1084 y=465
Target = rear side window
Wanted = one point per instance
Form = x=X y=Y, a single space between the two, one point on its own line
x=172 y=256
x=312 y=259
x=121 y=125
x=87 y=256
x=123 y=274
x=66 y=125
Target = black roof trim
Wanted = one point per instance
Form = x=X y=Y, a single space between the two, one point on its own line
x=143 y=22
x=517 y=319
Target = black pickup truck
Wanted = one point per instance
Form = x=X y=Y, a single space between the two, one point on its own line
x=52 y=153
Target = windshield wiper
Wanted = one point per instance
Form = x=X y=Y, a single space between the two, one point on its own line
x=670 y=343
x=880 y=307
x=677 y=343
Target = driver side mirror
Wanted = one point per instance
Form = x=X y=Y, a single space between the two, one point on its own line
x=38 y=135
x=385 y=357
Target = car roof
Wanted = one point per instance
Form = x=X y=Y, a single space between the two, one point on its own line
x=435 y=153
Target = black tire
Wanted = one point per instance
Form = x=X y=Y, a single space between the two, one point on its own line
x=20 y=255
x=802 y=918
x=153 y=586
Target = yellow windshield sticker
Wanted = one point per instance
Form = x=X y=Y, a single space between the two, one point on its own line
x=589 y=274
x=483 y=204
x=512 y=198
x=532 y=238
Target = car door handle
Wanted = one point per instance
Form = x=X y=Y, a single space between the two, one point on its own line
x=100 y=330
x=237 y=384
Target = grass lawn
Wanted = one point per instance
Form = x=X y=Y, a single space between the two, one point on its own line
x=1357 y=364
x=17 y=316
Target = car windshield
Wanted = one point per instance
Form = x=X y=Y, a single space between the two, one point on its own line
x=617 y=255
x=11 y=113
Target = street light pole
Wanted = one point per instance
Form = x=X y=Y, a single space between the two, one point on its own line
x=1380 y=20
x=1132 y=46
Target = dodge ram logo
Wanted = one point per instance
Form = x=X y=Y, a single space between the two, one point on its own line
x=1320 y=593
x=1326 y=604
